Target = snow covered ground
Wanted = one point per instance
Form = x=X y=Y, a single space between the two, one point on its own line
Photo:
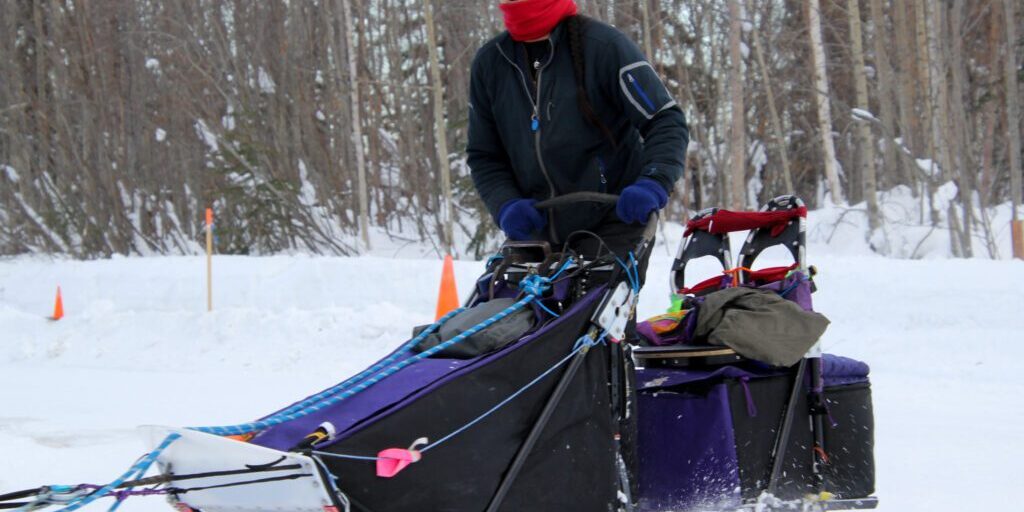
x=943 y=337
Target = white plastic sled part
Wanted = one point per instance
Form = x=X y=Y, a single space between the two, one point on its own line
x=613 y=314
x=199 y=453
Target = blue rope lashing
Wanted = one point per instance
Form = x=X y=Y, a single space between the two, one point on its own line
x=55 y=495
x=369 y=371
x=278 y=419
x=535 y=286
x=139 y=468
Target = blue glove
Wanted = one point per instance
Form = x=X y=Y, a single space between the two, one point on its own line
x=639 y=200
x=519 y=219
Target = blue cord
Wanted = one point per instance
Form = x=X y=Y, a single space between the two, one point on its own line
x=583 y=343
x=635 y=275
x=546 y=281
x=278 y=419
x=344 y=456
x=796 y=282
x=367 y=372
x=492 y=259
x=533 y=285
x=139 y=468
x=632 y=273
x=545 y=308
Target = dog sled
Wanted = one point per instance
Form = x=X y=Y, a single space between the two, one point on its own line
x=539 y=394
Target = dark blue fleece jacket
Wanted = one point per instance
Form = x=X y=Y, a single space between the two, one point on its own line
x=529 y=139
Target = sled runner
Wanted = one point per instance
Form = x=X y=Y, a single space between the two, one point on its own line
x=524 y=399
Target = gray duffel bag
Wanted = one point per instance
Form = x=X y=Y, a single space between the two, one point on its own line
x=495 y=336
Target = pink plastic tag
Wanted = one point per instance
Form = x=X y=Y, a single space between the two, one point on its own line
x=393 y=460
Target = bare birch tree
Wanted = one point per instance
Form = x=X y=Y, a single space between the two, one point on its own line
x=886 y=91
x=737 y=128
x=821 y=98
x=440 y=129
x=773 y=111
x=1012 y=105
x=357 y=128
x=865 y=143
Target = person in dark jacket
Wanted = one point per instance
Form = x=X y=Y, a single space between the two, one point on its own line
x=561 y=103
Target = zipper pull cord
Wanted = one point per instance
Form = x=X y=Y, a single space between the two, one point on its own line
x=535 y=118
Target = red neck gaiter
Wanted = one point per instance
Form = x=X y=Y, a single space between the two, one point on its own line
x=527 y=20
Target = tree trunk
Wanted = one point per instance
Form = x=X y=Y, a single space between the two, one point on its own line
x=780 y=136
x=960 y=134
x=645 y=20
x=892 y=169
x=942 y=139
x=866 y=144
x=357 y=129
x=923 y=76
x=927 y=81
x=906 y=60
x=440 y=130
x=821 y=91
x=737 y=132
x=1012 y=106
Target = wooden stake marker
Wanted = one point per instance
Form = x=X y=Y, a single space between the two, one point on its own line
x=1017 y=227
x=209 y=259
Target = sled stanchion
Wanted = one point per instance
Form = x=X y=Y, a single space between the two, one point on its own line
x=538 y=428
x=817 y=408
x=782 y=441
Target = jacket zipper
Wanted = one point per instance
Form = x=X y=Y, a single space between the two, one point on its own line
x=535 y=127
x=604 y=179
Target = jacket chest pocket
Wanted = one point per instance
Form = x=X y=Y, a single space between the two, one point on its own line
x=562 y=110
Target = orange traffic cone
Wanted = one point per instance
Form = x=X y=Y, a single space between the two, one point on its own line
x=448 y=296
x=58 y=307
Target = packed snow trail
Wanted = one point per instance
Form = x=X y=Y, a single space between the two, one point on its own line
x=137 y=347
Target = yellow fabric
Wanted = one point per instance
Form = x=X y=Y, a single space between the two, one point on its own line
x=667 y=322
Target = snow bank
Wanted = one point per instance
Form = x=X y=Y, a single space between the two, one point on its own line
x=907 y=230
x=137 y=347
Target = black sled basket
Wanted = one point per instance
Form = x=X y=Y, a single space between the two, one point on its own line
x=529 y=426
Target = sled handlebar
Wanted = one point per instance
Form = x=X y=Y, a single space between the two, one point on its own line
x=577 y=197
x=596 y=197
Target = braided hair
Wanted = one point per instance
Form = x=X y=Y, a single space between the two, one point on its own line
x=575 y=26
